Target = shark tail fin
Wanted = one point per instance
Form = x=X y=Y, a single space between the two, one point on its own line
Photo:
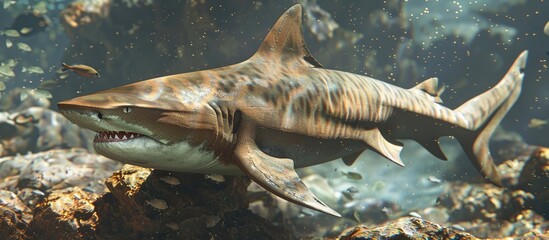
x=484 y=113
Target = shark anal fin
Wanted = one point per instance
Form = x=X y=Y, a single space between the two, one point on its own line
x=276 y=175
x=351 y=158
x=433 y=147
x=379 y=144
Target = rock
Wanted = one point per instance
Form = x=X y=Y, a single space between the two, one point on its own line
x=14 y=216
x=67 y=214
x=412 y=228
x=37 y=129
x=141 y=205
x=534 y=178
x=34 y=176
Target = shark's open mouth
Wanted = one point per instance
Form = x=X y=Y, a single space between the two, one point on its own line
x=115 y=136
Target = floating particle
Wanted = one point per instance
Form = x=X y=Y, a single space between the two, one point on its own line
x=6 y=71
x=170 y=180
x=434 y=179
x=352 y=175
x=158 y=203
x=2 y=86
x=11 y=33
x=23 y=46
x=9 y=44
x=215 y=177
x=414 y=214
x=33 y=69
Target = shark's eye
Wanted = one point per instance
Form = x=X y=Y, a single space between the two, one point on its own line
x=127 y=109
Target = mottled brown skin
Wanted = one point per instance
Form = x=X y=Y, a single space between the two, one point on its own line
x=280 y=110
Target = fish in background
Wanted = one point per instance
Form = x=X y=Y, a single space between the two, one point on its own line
x=30 y=23
x=82 y=70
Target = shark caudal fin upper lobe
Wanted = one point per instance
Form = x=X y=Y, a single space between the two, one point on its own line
x=484 y=113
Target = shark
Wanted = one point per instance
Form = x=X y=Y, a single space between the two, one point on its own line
x=280 y=110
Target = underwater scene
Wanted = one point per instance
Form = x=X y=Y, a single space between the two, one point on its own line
x=290 y=119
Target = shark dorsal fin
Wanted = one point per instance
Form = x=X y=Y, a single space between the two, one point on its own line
x=285 y=39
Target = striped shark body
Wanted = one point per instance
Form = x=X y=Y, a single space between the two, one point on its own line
x=280 y=110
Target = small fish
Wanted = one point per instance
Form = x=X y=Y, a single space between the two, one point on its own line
x=215 y=177
x=157 y=203
x=6 y=70
x=348 y=195
x=170 y=180
x=8 y=3
x=48 y=84
x=537 y=123
x=9 y=44
x=23 y=46
x=356 y=214
x=434 y=179
x=458 y=227
x=546 y=28
x=414 y=214
x=2 y=86
x=30 y=23
x=172 y=225
x=33 y=69
x=352 y=190
x=11 y=33
x=25 y=30
x=352 y=175
x=82 y=70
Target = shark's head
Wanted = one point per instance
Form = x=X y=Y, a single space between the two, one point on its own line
x=164 y=123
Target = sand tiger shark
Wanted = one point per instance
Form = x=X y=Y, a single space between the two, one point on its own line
x=280 y=110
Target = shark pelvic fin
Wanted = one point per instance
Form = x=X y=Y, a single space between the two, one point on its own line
x=430 y=86
x=379 y=144
x=286 y=39
x=276 y=175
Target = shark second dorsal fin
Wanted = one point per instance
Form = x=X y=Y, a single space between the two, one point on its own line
x=285 y=40
x=430 y=86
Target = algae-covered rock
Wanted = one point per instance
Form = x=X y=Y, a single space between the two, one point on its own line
x=413 y=228
x=67 y=214
x=160 y=204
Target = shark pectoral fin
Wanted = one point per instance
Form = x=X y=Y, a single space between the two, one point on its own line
x=433 y=147
x=276 y=175
x=378 y=143
x=350 y=159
